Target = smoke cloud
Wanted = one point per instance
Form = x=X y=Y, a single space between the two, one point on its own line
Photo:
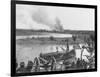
x=36 y=17
x=41 y=16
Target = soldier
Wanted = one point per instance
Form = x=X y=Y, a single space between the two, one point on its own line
x=78 y=63
x=36 y=62
x=21 y=69
x=29 y=66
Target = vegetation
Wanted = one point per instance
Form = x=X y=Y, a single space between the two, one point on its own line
x=31 y=32
x=52 y=38
x=57 y=61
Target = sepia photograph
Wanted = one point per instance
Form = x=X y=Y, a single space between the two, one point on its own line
x=54 y=38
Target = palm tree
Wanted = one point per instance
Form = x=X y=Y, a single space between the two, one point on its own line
x=67 y=41
x=88 y=40
x=74 y=37
x=83 y=47
x=92 y=37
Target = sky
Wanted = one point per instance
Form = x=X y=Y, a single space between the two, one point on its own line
x=46 y=17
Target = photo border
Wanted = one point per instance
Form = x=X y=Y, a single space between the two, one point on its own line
x=13 y=36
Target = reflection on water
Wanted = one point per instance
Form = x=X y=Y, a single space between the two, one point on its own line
x=28 y=50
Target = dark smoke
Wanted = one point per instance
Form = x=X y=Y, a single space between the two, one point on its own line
x=41 y=16
x=58 y=26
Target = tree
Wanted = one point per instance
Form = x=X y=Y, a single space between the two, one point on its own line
x=52 y=38
x=92 y=37
x=74 y=38
x=88 y=40
x=67 y=45
x=83 y=47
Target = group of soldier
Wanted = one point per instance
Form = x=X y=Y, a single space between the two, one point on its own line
x=50 y=66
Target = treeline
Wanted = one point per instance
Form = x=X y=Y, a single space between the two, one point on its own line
x=31 y=32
